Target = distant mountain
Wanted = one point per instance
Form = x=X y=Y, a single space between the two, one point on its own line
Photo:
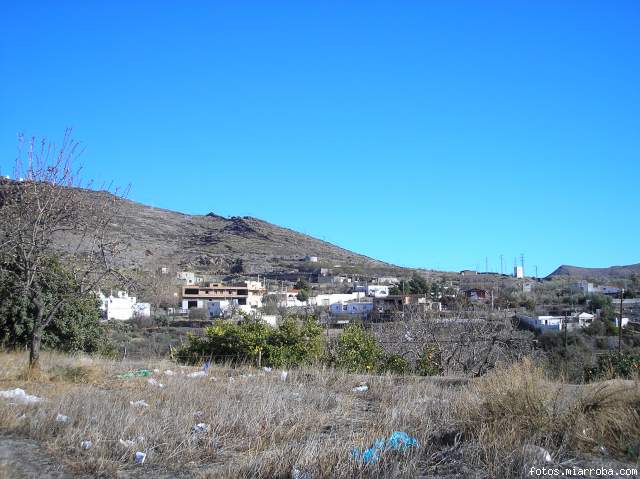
x=211 y=243
x=612 y=272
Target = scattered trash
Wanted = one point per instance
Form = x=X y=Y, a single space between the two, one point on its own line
x=536 y=453
x=198 y=414
x=20 y=395
x=140 y=403
x=62 y=418
x=138 y=373
x=201 y=427
x=197 y=374
x=363 y=388
x=206 y=365
x=169 y=372
x=23 y=416
x=298 y=474
x=266 y=369
x=156 y=371
x=283 y=375
x=140 y=457
x=153 y=382
x=86 y=445
x=127 y=443
x=398 y=441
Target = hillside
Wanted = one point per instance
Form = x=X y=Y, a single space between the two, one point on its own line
x=613 y=272
x=211 y=243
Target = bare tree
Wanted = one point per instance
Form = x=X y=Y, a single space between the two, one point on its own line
x=470 y=346
x=45 y=215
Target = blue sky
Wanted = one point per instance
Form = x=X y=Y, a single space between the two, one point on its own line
x=427 y=134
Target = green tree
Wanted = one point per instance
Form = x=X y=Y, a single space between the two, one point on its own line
x=237 y=266
x=303 y=295
x=357 y=350
x=302 y=284
x=75 y=326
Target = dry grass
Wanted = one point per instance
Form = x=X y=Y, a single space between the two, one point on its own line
x=262 y=426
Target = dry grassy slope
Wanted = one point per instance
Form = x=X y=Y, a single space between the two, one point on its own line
x=596 y=273
x=211 y=243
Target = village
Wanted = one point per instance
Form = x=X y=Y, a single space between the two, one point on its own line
x=339 y=300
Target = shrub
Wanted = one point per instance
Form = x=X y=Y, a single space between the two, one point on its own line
x=75 y=326
x=429 y=362
x=292 y=344
x=395 y=364
x=357 y=350
x=615 y=365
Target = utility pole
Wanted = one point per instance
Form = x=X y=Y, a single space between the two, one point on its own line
x=536 y=271
x=486 y=264
x=501 y=270
x=620 y=323
x=522 y=262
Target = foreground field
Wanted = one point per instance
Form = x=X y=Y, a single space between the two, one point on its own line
x=305 y=424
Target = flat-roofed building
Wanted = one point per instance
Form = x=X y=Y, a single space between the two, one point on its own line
x=246 y=295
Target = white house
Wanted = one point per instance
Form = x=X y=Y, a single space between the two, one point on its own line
x=188 y=277
x=625 y=322
x=122 y=306
x=329 y=299
x=391 y=280
x=542 y=323
x=518 y=272
x=377 y=290
x=353 y=308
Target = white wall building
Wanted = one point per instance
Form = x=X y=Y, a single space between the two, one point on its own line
x=188 y=277
x=329 y=299
x=542 y=323
x=122 y=306
x=377 y=290
x=353 y=308
x=518 y=271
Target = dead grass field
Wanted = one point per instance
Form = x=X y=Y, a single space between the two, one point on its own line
x=260 y=425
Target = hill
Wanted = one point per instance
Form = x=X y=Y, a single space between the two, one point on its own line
x=211 y=243
x=613 y=272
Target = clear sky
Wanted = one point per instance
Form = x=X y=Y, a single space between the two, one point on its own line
x=429 y=133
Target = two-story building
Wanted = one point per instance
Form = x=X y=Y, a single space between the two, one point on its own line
x=247 y=296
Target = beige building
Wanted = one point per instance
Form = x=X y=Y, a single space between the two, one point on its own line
x=246 y=295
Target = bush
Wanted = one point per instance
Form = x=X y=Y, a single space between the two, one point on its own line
x=198 y=313
x=292 y=344
x=429 y=362
x=75 y=327
x=357 y=350
x=395 y=364
x=615 y=365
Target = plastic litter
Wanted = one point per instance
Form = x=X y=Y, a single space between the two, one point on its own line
x=169 y=372
x=266 y=369
x=140 y=457
x=153 y=382
x=198 y=414
x=201 y=427
x=361 y=389
x=86 y=445
x=138 y=373
x=156 y=371
x=127 y=443
x=20 y=395
x=298 y=474
x=536 y=453
x=197 y=374
x=398 y=441
x=140 y=403
x=206 y=365
x=283 y=375
x=62 y=418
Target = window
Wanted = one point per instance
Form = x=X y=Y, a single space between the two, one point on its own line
x=191 y=291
